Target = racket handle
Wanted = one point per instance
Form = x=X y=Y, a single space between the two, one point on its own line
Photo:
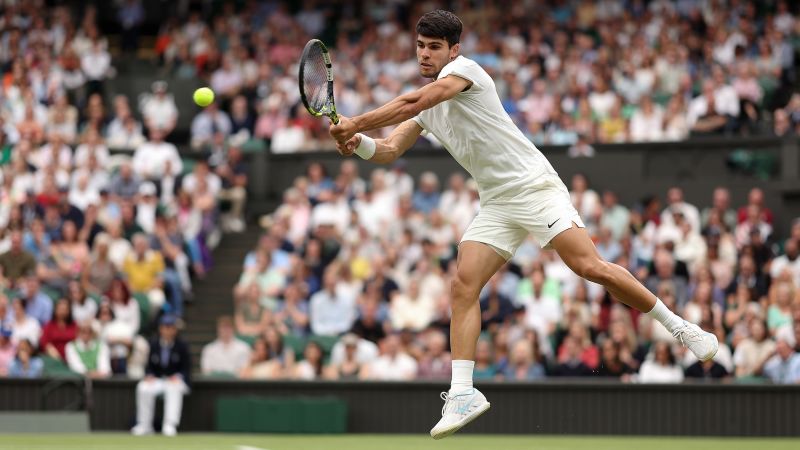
x=334 y=118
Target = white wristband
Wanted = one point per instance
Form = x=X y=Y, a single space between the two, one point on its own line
x=365 y=149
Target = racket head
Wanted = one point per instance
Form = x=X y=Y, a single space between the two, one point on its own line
x=315 y=80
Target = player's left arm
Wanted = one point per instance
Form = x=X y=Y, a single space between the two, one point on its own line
x=401 y=108
x=389 y=149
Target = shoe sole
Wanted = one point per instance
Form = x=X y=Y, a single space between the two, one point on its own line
x=448 y=431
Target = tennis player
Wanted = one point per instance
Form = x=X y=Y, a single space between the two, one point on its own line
x=520 y=194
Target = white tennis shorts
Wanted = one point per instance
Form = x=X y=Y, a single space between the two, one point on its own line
x=544 y=211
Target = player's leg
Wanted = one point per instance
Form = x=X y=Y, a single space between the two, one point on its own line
x=477 y=262
x=488 y=243
x=579 y=253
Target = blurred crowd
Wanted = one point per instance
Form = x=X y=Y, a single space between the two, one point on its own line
x=103 y=227
x=351 y=281
x=606 y=71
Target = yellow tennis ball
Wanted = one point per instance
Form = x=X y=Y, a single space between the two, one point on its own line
x=203 y=96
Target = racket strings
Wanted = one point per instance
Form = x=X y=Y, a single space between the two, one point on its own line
x=315 y=80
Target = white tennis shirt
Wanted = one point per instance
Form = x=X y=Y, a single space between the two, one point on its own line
x=477 y=131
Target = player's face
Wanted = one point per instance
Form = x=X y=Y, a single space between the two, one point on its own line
x=433 y=54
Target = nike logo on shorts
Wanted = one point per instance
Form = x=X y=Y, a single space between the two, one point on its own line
x=554 y=222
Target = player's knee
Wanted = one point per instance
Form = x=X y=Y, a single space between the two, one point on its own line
x=462 y=289
x=597 y=271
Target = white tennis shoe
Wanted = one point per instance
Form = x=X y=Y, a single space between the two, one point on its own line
x=459 y=410
x=703 y=344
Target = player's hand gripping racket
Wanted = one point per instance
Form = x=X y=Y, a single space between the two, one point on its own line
x=316 y=81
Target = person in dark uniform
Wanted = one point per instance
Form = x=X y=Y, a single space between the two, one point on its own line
x=167 y=374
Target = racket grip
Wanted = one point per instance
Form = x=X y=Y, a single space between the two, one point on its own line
x=334 y=118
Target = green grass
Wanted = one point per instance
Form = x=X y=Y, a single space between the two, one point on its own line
x=190 y=441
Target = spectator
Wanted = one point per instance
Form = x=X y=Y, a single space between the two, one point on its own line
x=269 y=279
x=88 y=355
x=525 y=361
x=411 y=309
x=227 y=80
x=665 y=272
x=615 y=217
x=720 y=205
x=779 y=313
x=209 y=123
x=542 y=310
x=59 y=331
x=167 y=374
x=119 y=337
x=484 y=361
x=571 y=362
x=251 y=318
x=369 y=325
x=706 y=370
x=647 y=122
x=130 y=16
x=312 y=367
x=37 y=304
x=124 y=307
x=96 y=63
x=755 y=198
x=16 y=262
x=158 y=110
x=661 y=368
x=226 y=354
x=125 y=184
x=23 y=326
x=426 y=198
x=581 y=148
x=332 y=312
x=144 y=269
x=291 y=317
x=710 y=112
x=496 y=307
x=100 y=272
x=753 y=225
x=233 y=174
x=611 y=363
x=156 y=159
x=754 y=351
x=242 y=121
x=349 y=364
x=784 y=366
x=26 y=364
x=393 y=364
x=788 y=262
x=8 y=351
x=435 y=361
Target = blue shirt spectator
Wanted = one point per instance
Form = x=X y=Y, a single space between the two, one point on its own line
x=26 y=365
x=37 y=304
x=426 y=198
x=784 y=367
x=332 y=312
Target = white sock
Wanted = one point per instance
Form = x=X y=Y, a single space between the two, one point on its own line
x=462 y=375
x=661 y=313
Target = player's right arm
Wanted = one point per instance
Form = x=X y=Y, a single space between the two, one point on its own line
x=389 y=149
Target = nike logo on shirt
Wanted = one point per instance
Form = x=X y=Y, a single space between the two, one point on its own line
x=554 y=222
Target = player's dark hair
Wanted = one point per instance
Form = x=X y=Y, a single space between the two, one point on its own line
x=440 y=24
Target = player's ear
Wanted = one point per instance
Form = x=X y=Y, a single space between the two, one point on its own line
x=454 y=49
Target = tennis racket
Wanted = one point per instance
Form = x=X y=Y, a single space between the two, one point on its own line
x=316 y=81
